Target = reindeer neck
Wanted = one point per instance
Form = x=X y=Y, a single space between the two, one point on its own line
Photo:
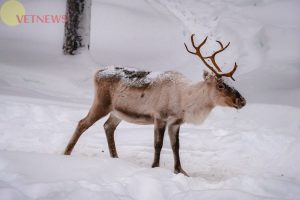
x=197 y=103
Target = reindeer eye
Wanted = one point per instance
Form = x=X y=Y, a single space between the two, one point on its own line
x=221 y=86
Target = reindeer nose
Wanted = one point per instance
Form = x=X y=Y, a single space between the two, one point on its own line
x=242 y=102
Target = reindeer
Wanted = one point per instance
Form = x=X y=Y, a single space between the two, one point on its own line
x=165 y=99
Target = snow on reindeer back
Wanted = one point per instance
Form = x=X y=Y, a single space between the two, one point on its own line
x=133 y=77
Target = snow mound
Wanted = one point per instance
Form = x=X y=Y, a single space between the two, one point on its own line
x=248 y=154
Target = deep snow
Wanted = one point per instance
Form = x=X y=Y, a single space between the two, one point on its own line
x=252 y=153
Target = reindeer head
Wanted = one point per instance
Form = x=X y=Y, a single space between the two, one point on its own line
x=221 y=93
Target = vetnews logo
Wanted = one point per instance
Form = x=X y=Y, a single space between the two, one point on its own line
x=13 y=13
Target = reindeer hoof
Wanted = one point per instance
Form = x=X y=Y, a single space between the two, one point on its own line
x=67 y=153
x=177 y=171
x=155 y=164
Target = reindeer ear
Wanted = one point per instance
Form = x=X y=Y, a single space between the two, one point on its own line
x=206 y=75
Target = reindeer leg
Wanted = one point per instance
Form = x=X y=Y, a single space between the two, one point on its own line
x=110 y=126
x=159 y=132
x=95 y=113
x=173 y=131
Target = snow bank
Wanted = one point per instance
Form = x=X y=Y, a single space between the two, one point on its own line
x=150 y=34
x=239 y=155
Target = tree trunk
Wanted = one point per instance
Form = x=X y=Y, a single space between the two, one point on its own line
x=77 y=26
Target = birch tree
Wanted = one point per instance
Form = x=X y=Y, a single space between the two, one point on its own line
x=77 y=26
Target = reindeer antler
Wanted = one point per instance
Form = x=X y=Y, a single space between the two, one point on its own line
x=212 y=58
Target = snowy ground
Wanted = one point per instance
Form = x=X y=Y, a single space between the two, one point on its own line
x=250 y=154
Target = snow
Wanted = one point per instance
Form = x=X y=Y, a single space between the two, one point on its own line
x=135 y=77
x=130 y=76
x=252 y=153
